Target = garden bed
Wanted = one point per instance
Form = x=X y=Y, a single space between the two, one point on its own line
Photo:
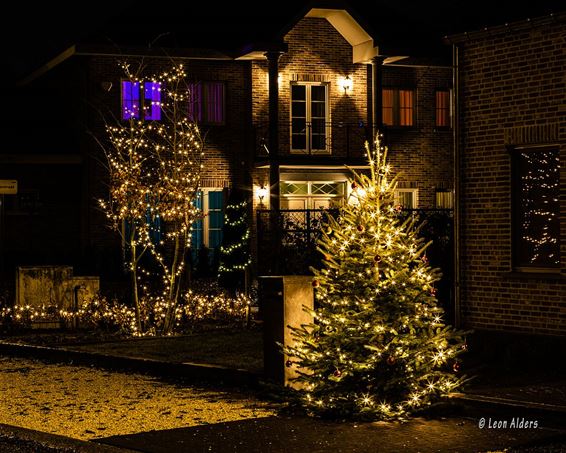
x=232 y=348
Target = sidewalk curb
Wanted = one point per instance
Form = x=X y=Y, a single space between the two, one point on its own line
x=508 y=402
x=479 y=406
x=42 y=439
x=193 y=371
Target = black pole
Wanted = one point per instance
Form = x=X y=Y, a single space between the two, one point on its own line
x=273 y=143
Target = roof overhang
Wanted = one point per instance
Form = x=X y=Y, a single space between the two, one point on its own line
x=363 y=48
x=125 y=52
x=298 y=167
x=362 y=43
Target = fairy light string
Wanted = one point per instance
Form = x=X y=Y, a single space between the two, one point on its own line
x=379 y=347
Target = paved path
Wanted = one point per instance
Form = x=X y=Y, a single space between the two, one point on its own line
x=142 y=413
x=89 y=403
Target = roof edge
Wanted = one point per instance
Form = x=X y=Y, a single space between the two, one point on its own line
x=520 y=25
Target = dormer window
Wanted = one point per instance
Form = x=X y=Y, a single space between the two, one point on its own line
x=140 y=97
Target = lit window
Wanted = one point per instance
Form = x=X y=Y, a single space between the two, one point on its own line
x=206 y=102
x=311 y=194
x=407 y=198
x=309 y=118
x=536 y=208
x=442 y=108
x=398 y=107
x=444 y=199
x=133 y=102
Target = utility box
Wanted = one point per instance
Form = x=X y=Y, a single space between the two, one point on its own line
x=282 y=300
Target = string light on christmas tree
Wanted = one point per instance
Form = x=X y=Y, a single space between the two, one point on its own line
x=378 y=321
x=235 y=256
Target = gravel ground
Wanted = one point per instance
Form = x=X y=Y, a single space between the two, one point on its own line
x=89 y=403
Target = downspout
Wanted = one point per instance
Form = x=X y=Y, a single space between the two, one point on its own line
x=456 y=151
x=377 y=87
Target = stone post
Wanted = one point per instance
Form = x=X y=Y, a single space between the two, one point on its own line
x=282 y=301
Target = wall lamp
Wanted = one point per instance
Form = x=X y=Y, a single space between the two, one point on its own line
x=346 y=84
x=262 y=192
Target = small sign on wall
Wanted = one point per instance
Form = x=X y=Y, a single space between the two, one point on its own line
x=8 y=187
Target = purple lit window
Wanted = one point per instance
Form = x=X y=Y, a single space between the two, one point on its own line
x=152 y=101
x=132 y=101
x=207 y=102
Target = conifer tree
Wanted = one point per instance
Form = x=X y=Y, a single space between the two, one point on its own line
x=235 y=257
x=379 y=347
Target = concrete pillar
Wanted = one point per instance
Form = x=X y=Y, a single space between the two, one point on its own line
x=282 y=301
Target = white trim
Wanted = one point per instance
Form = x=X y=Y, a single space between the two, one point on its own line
x=205 y=210
x=415 y=193
x=308 y=118
x=311 y=198
x=363 y=49
x=319 y=167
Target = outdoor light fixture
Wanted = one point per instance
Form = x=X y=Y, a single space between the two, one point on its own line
x=261 y=193
x=346 y=84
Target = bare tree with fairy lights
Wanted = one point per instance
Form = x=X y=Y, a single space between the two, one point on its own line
x=154 y=157
x=379 y=347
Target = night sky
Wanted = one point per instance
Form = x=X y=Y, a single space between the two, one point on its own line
x=30 y=34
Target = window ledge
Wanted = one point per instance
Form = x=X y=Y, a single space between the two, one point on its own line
x=525 y=275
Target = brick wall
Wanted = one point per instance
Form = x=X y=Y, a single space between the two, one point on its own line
x=422 y=153
x=317 y=52
x=226 y=149
x=509 y=80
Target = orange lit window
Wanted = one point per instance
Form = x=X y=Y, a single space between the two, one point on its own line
x=398 y=107
x=442 y=108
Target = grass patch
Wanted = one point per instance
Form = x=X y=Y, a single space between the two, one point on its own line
x=230 y=348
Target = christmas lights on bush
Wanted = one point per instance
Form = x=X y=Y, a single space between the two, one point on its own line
x=154 y=174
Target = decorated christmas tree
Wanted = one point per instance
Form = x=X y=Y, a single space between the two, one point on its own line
x=235 y=257
x=379 y=347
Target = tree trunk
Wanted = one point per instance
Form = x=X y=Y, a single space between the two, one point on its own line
x=134 y=274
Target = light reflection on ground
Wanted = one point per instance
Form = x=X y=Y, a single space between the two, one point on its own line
x=87 y=403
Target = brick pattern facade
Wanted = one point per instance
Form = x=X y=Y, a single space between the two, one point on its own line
x=513 y=93
x=317 y=51
x=227 y=160
x=422 y=153
x=84 y=87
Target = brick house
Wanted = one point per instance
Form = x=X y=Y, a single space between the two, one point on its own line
x=289 y=115
x=510 y=189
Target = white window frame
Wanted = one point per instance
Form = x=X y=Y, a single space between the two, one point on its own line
x=205 y=211
x=309 y=196
x=413 y=191
x=308 y=118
